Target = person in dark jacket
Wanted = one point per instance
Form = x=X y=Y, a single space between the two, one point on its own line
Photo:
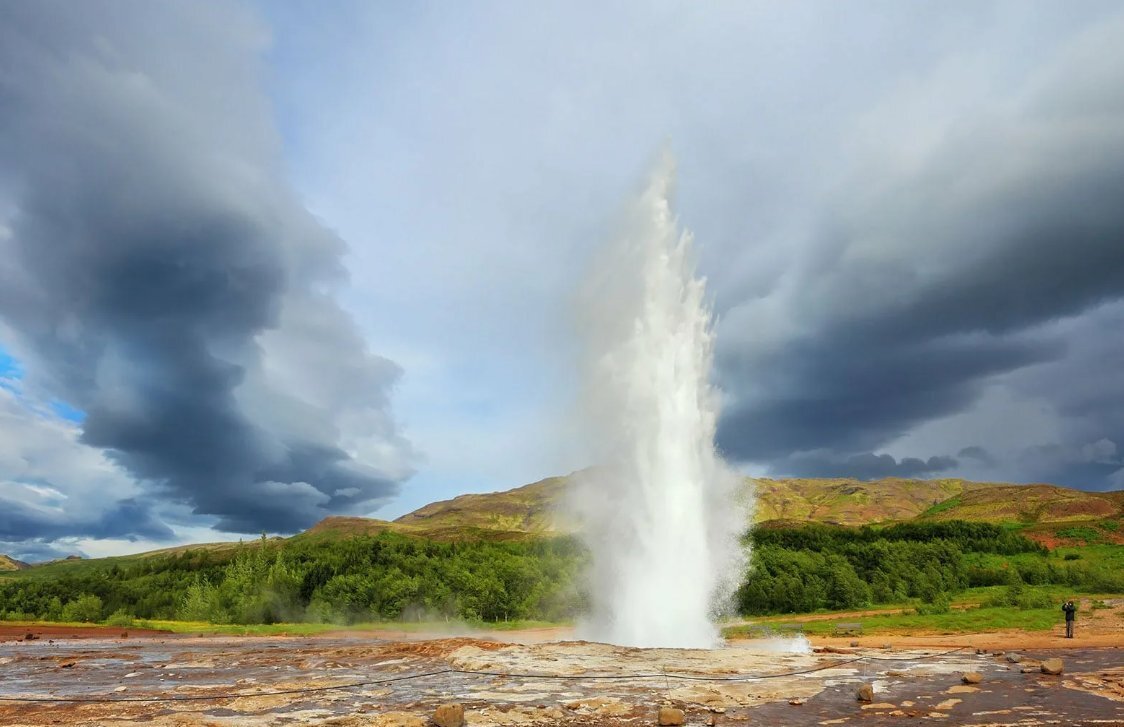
x=1070 y=611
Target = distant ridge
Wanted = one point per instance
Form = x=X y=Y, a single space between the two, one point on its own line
x=8 y=563
x=840 y=501
x=530 y=510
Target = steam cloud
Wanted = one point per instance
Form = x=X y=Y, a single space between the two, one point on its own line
x=160 y=275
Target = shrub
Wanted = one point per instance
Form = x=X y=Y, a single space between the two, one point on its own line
x=120 y=617
x=939 y=604
x=1017 y=595
x=86 y=609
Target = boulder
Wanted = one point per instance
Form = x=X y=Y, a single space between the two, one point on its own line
x=854 y=644
x=1014 y=658
x=972 y=677
x=671 y=716
x=865 y=693
x=1052 y=666
x=449 y=715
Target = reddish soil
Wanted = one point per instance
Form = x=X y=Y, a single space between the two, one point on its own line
x=1051 y=540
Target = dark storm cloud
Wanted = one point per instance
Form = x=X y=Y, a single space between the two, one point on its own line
x=867 y=466
x=832 y=394
x=161 y=276
x=127 y=517
x=977 y=454
x=930 y=281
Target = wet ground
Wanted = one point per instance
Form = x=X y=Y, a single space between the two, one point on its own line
x=918 y=684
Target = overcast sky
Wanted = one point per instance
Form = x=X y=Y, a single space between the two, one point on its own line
x=265 y=262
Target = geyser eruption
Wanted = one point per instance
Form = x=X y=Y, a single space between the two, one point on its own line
x=660 y=512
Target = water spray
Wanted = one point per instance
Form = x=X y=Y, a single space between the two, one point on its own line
x=660 y=513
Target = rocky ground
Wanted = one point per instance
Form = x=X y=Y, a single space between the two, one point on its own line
x=583 y=685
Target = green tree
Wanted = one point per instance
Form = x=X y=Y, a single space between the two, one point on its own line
x=87 y=608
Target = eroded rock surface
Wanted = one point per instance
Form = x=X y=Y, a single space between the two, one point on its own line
x=341 y=682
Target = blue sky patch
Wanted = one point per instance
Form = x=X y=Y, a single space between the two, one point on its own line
x=10 y=368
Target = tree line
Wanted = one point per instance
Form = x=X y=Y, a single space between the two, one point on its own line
x=793 y=569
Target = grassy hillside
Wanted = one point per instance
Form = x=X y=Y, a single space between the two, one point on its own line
x=528 y=509
x=854 y=502
x=1025 y=504
x=838 y=501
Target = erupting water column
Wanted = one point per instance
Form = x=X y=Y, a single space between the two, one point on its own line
x=660 y=513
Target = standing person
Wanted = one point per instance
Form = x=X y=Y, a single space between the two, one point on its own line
x=1070 y=610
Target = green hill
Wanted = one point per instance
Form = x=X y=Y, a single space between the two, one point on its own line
x=528 y=509
x=841 y=501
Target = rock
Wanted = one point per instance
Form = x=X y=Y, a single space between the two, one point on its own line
x=30 y=637
x=887 y=647
x=1014 y=658
x=980 y=651
x=796 y=702
x=1028 y=670
x=897 y=673
x=449 y=715
x=1052 y=666
x=865 y=693
x=120 y=689
x=854 y=644
x=972 y=677
x=671 y=716
x=398 y=719
x=67 y=664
